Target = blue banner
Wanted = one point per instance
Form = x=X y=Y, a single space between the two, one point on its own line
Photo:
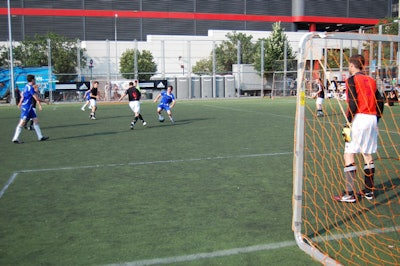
x=20 y=73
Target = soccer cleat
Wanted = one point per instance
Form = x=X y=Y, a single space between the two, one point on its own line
x=345 y=198
x=132 y=125
x=144 y=123
x=83 y=109
x=17 y=141
x=369 y=195
x=93 y=118
x=43 y=138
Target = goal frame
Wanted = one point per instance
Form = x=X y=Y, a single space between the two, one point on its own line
x=302 y=241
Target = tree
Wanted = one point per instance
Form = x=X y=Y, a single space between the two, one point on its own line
x=274 y=50
x=34 y=53
x=226 y=54
x=145 y=62
x=204 y=66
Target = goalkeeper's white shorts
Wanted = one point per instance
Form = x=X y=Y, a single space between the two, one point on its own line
x=364 y=135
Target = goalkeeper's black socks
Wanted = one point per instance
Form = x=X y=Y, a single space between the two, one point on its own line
x=135 y=119
x=369 y=171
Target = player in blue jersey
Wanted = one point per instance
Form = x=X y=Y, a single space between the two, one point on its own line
x=27 y=110
x=167 y=102
x=30 y=126
x=86 y=96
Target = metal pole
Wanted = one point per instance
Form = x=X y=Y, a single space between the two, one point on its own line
x=360 y=31
x=78 y=59
x=239 y=68
x=284 y=68
x=135 y=62
x=262 y=68
x=11 y=56
x=214 y=64
x=163 y=59
x=189 y=74
x=380 y=53
x=116 y=48
x=50 y=81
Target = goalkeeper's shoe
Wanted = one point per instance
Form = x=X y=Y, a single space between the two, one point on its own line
x=369 y=195
x=345 y=197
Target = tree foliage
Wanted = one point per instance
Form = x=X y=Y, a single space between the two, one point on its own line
x=226 y=52
x=145 y=63
x=226 y=55
x=34 y=53
x=203 y=66
x=274 y=50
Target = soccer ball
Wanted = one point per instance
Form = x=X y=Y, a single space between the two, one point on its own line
x=161 y=119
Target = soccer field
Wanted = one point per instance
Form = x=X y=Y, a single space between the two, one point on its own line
x=215 y=188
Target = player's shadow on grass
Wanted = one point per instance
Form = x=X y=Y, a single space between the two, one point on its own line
x=177 y=123
x=380 y=190
x=87 y=135
x=67 y=125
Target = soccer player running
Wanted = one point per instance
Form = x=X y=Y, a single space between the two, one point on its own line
x=134 y=96
x=93 y=99
x=27 y=111
x=30 y=126
x=87 y=98
x=365 y=107
x=167 y=102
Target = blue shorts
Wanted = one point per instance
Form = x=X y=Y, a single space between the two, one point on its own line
x=28 y=113
x=164 y=107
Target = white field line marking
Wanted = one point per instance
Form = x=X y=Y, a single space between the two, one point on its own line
x=10 y=180
x=249 y=249
x=208 y=255
x=15 y=174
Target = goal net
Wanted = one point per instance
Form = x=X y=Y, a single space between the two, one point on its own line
x=366 y=232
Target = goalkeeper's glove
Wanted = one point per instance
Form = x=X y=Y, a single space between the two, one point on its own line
x=346 y=133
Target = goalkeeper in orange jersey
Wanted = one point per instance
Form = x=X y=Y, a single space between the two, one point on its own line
x=365 y=107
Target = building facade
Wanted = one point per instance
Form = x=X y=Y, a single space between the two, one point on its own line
x=128 y=20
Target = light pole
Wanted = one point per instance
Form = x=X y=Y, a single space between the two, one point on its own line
x=11 y=55
x=91 y=69
x=116 y=48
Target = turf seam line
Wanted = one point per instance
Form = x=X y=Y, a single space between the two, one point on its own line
x=15 y=174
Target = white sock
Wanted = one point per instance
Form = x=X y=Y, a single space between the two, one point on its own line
x=38 y=131
x=18 y=130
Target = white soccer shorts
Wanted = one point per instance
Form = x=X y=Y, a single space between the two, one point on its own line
x=92 y=103
x=135 y=106
x=364 y=135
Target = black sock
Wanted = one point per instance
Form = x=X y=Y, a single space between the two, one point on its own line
x=369 y=171
x=141 y=118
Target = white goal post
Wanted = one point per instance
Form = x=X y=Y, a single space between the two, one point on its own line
x=367 y=42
